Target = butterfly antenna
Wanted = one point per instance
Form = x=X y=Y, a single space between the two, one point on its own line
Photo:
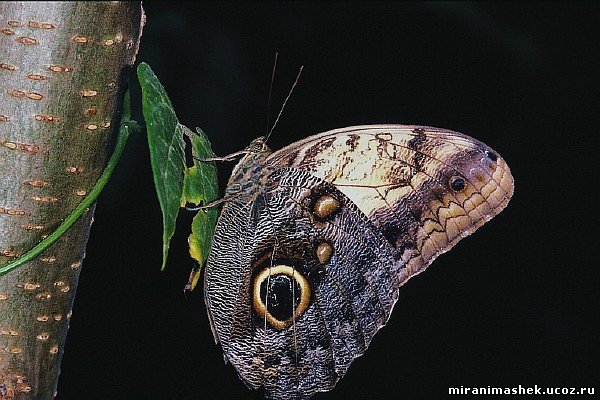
x=294 y=328
x=271 y=91
x=269 y=284
x=284 y=103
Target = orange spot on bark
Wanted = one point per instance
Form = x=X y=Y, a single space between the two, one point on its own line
x=51 y=119
x=81 y=39
x=8 y=67
x=89 y=93
x=29 y=148
x=10 y=211
x=36 y=183
x=29 y=41
x=37 y=77
x=16 y=93
x=59 y=68
x=45 y=199
x=76 y=169
x=35 y=96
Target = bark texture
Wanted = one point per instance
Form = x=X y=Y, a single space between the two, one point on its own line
x=61 y=71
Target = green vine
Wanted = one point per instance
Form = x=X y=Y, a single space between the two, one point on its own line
x=126 y=127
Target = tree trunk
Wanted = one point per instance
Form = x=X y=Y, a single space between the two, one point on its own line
x=61 y=72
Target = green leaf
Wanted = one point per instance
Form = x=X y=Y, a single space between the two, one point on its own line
x=176 y=184
x=200 y=187
x=165 y=140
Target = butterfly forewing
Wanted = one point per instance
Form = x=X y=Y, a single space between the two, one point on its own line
x=401 y=176
x=308 y=257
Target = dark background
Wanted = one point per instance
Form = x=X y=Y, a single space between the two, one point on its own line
x=517 y=303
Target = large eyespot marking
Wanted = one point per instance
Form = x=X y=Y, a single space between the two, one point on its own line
x=325 y=206
x=280 y=294
x=457 y=183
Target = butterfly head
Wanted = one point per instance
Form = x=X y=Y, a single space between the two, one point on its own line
x=258 y=146
x=250 y=170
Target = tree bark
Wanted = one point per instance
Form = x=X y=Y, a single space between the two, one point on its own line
x=61 y=73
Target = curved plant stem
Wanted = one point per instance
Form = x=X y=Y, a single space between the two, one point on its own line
x=79 y=210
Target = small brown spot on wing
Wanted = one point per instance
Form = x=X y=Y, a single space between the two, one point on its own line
x=326 y=206
x=384 y=136
x=353 y=141
x=324 y=251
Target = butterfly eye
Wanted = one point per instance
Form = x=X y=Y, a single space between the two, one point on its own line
x=457 y=183
x=281 y=294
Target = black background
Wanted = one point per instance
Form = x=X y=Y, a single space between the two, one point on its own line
x=517 y=303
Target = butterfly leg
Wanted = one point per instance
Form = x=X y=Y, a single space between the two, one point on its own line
x=228 y=157
x=212 y=203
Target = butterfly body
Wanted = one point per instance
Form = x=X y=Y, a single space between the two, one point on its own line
x=310 y=251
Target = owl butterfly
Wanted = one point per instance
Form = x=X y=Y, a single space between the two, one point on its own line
x=315 y=240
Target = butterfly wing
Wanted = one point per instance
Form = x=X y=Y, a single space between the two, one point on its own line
x=344 y=295
x=306 y=266
x=401 y=177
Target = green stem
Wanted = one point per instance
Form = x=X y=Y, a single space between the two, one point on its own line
x=79 y=210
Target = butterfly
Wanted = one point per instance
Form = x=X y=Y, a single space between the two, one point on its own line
x=315 y=240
